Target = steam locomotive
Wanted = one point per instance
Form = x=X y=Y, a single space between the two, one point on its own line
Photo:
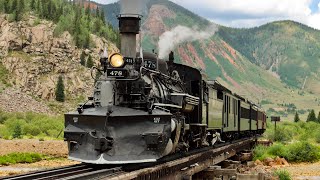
x=144 y=108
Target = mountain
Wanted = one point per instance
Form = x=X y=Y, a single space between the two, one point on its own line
x=225 y=58
x=41 y=45
x=286 y=48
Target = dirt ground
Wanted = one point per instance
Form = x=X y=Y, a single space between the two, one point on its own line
x=49 y=147
x=41 y=165
x=54 y=148
x=309 y=171
x=302 y=171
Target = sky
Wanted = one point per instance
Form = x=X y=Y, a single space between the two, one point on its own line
x=251 y=13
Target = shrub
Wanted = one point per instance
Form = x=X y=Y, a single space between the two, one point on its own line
x=31 y=130
x=317 y=136
x=90 y=63
x=278 y=149
x=17 y=131
x=260 y=152
x=303 y=152
x=30 y=124
x=4 y=133
x=282 y=174
x=284 y=134
x=14 y=158
x=3 y=117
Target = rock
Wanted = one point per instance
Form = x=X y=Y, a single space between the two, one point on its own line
x=284 y=162
x=258 y=162
x=39 y=58
x=250 y=163
x=267 y=161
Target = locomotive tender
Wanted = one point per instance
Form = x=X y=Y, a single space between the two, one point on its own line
x=144 y=108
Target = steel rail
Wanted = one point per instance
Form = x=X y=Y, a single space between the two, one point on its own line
x=173 y=167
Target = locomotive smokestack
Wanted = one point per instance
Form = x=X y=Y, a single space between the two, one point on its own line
x=129 y=26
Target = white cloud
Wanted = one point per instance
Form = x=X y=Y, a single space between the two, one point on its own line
x=249 y=13
x=105 y=1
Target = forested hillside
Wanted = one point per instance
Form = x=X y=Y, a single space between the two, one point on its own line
x=268 y=64
x=287 y=48
x=80 y=22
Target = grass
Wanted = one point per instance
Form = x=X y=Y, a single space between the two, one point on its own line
x=30 y=125
x=282 y=174
x=296 y=142
x=289 y=131
x=295 y=152
x=14 y=158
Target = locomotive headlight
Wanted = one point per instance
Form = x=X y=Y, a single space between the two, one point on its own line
x=116 y=60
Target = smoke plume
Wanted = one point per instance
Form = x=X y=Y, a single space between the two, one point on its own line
x=169 y=40
x=133 y=6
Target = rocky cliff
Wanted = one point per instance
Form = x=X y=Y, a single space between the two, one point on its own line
x=34 y=58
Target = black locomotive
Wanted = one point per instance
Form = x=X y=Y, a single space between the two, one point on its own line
x=144 y=108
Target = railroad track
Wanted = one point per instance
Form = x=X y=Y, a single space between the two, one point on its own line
x=173 y=167
x=80 y=171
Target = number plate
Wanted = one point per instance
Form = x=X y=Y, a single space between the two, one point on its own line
x=120 y=73
x=150 y=64
x=129 y=60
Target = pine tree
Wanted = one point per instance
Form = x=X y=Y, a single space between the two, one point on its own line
x=21 y=6
x=102 y=17
x=60 y=90
x=319 y=117
x=88 y=10
x=19 y=9
x=87 y=41
x=83 y=59
x=97 y=12
x=296 y=117
x=89 y=62
x=14 y=6
x=6 y=6
x=38 y=6
x=17 y=131
x=312 y=116
x=33 y=4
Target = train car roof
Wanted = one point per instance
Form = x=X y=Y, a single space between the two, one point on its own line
x=215 y=84
x=240 y=97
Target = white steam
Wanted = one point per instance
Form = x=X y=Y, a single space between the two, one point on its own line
x=133 y=6
x=169 y=40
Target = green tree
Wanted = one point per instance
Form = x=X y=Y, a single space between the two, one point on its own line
x=6 y=6
x=102 y=17
x=319 y=117
x=14 y=6
x=17 y=131
x=21 y=6
x=60 y=90
x=33 y=4
x=312 y=116
x=296 y=117
x=19 y=9
x=83 y=59
x=97 y=12
x=89 y=62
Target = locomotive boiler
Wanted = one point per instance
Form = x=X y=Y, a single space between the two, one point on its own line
x=144 y=108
